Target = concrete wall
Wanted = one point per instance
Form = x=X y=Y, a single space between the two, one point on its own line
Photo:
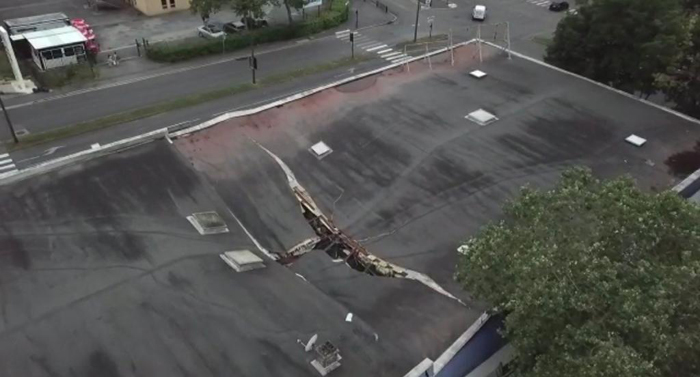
x=155 y=7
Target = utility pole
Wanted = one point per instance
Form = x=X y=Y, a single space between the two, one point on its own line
x=357 y=18
x=352 y=45
x=508 y=37
x=253 y=61
x=478 y=31
x=9 y=122
x=415 y=31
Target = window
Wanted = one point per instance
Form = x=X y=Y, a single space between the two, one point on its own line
x=68 y=51
x=164 y=3
x=46 y=55
x=80 y=50
x=57 y=54
x=172 y=3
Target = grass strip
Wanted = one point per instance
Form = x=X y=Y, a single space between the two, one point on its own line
x=174 y=104
x=544 y=41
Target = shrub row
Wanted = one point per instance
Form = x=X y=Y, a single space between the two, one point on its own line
x=184 y=50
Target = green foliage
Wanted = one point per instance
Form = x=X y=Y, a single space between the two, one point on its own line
x=681 y=84
x=206 y=7
x=251 y=8
x=62 y=76
x=594 y=279
x=622 y=43
x=184 y=50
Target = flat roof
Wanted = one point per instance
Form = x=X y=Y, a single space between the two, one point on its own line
x=99 y=254
x=33 y=20
x=62 y=36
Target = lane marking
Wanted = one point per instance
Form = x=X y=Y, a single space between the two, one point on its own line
x=368 y=44
x=394 y=55
x=376 y=48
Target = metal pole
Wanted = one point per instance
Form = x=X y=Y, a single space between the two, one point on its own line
x=357 y=18
x=427 y=54
x=352 y=44
x=9 y=122
x=10 y=52
x=253 y=63
x=508 y=37
x=478 y=36
x=452 y=50
x=415 y=31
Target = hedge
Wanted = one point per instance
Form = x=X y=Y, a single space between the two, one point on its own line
x=179 y=51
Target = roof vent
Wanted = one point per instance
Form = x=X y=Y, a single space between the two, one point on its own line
x=208 y=223
x=327 y=358
x=636 y=140
x=320 y=150
x=481 y=117
x=242 y=260
x=478 y=74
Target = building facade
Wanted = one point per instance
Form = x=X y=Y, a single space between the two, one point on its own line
x=156 y=7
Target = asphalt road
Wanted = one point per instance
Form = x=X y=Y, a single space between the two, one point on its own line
x=38 y=113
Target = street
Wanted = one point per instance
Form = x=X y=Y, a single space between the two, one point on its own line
x=43 y=112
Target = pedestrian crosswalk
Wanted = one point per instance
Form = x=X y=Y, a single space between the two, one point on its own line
x=545 y=4
x=540 y=3
x=365 y=43
x=6 y=164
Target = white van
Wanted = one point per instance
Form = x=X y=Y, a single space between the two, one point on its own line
x=479 y=12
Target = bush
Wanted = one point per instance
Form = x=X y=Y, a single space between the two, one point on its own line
x=58 y=77
x=184 y=50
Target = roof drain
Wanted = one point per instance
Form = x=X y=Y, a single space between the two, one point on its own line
x=338 y=245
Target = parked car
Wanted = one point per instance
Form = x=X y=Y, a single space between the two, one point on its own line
x=558 y=6
x=234 y=27
x=479 y=12
x=211 y=30
x=254 y=23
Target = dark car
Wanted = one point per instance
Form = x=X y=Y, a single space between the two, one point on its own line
x=254 y=23
x=234 y=27
x=558 y=6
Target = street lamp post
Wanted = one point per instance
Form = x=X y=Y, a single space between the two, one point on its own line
x=415 y=31
x=9 y=122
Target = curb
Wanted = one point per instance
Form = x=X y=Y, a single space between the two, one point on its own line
x=307 y=93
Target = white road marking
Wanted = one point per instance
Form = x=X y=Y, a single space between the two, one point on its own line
x=342 y=32
x=4 y=155
x=5 y=167
x=368 y=44
x=393 y=55
x=3 y=162
x=402 y=59
x=385 y=51
x=376 y=48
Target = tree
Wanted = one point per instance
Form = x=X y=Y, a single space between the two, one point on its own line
x=594 y=279
x=251 y=8
x=206 y=7
x=622 y=43
x=296 y=4
x=681 y=84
